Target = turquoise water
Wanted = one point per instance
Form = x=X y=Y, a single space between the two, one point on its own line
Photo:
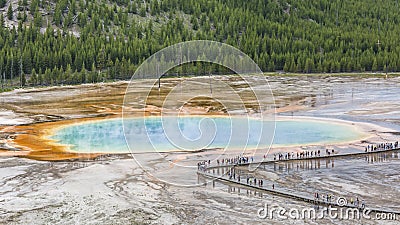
x=195 y=133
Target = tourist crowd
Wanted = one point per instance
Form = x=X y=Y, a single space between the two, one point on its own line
x=302 y=155
x=251 y=180
x=382 y=146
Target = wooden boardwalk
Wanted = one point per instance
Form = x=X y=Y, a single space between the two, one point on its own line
x=346 y=155
x=293 y=195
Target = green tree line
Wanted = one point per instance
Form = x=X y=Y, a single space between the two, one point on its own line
x=77 y=41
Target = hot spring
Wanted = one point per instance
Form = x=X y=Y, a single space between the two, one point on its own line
x=165 y=134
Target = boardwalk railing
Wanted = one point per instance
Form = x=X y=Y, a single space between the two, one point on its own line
x=205 y=171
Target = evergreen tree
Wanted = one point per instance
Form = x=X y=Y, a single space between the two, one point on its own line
x=57 y=18
x=23 y=80
x=2 y=21
x=3 y=3
x=10 y=13
x=37 y=21
x=375 y=65
x=34 y=6
x=142 y=12
x=33 y=81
